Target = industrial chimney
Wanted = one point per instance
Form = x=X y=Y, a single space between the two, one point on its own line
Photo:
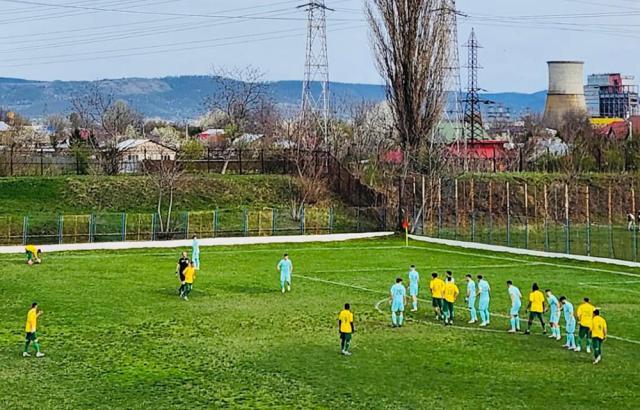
x=566 y=91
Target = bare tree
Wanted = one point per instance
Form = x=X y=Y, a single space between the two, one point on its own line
x=166 y=177
x=58 y=126
x=242 y=96
x=412 y=42
x=108 y=119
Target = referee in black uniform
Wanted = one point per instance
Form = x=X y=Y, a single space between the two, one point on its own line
x=183 y=262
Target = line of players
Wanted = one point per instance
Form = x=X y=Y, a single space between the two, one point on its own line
x=444 y=293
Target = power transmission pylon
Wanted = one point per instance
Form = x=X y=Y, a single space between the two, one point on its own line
x=472 y=112
x=315 y=107
x=452 y=120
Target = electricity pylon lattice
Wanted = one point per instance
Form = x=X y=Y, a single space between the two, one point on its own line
x=315 y=105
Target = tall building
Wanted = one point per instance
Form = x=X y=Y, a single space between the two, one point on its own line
x=612 y=95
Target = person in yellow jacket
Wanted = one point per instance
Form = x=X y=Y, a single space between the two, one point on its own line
x=33 y=254
x=451 y=293
x=346 y=327
x=536 y=308
x=598 y=335
x=30 y=328
x=189 y=278
x=437 y=294
x=584 y=314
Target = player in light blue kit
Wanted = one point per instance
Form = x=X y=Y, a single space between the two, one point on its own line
x=570 y=323
x=516 y=303
x=195 y=252
x=398 y=299
x=554 y=315
x=471 y=298
x=484 y=293
x=285 y=267
x=414 y=278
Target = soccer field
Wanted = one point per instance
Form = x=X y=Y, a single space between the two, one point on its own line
x=116 y=335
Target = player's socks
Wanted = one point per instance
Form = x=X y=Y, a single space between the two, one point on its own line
x=400 y=319
x=26 y=346
x=513 y=323
x=483 y=317
x=394 y=319
x=415 y=305
x=37 y=347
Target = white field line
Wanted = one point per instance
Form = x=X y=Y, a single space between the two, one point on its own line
x=430 y=269
x=250 y=240
x=364 y=289
x=611 y=288
x=616 y=282
x=520 y=251
x=525 y=262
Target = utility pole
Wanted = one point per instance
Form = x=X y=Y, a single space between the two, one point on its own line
x=315 y=108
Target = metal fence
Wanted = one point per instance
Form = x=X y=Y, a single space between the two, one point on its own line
x=108 y=227
x=573 y=217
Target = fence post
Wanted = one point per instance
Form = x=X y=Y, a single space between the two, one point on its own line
x=384 y=218
x=186 y=231
x=302 y=222
x=589 y=223
x=262 y=161
x=357 y=219
x=566 y=218
x=245 y=222
x=215 y=223
x=508 y=217
x=208 y=160
x=60 y=228
x=610 y=220
x=490 y=212
x=546 y=216
x=240 y=161
x=153 y=226
x=11 y=161
x=91 y=228
x=41 y=161
x=439 y=205
x=25 y=229
x=273 y=221
x=124 y=226
x=526 y=215
x=455 y=225
x=330 y=221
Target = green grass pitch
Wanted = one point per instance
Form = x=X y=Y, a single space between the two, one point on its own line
x=117 y=336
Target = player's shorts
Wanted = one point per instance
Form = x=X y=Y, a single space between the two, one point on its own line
x=448 y=306
x=554 y=318
x=533 y=315
x=285 y=277
x=30 y=255
x=31 y=337
x=584 y=332
x=397 y=306
x=345 y=337
x=413 y=290
x=571 y=326
x=471 y=303
x=436 y=302
x=483 y=304
x=515 y=309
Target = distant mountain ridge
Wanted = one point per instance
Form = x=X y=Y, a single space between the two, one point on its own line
x=182 y=97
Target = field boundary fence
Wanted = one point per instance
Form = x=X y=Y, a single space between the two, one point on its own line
x=571 y=217
x=245 y=222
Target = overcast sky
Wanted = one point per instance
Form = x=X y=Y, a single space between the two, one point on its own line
x=92 y=39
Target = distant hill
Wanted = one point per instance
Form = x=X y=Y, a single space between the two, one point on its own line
x=179 y=98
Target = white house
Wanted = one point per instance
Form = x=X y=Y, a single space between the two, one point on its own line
x=134 y=151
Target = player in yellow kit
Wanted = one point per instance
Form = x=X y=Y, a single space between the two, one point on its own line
x=346 y=327
x=598 y=334
x=33 y=254
x=584 y=314
x=189 y=278
x=451 y=293
x=437 y=294
x=536 y=308
x=30 y=328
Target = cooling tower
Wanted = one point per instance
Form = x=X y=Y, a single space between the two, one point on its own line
x=566 y=91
